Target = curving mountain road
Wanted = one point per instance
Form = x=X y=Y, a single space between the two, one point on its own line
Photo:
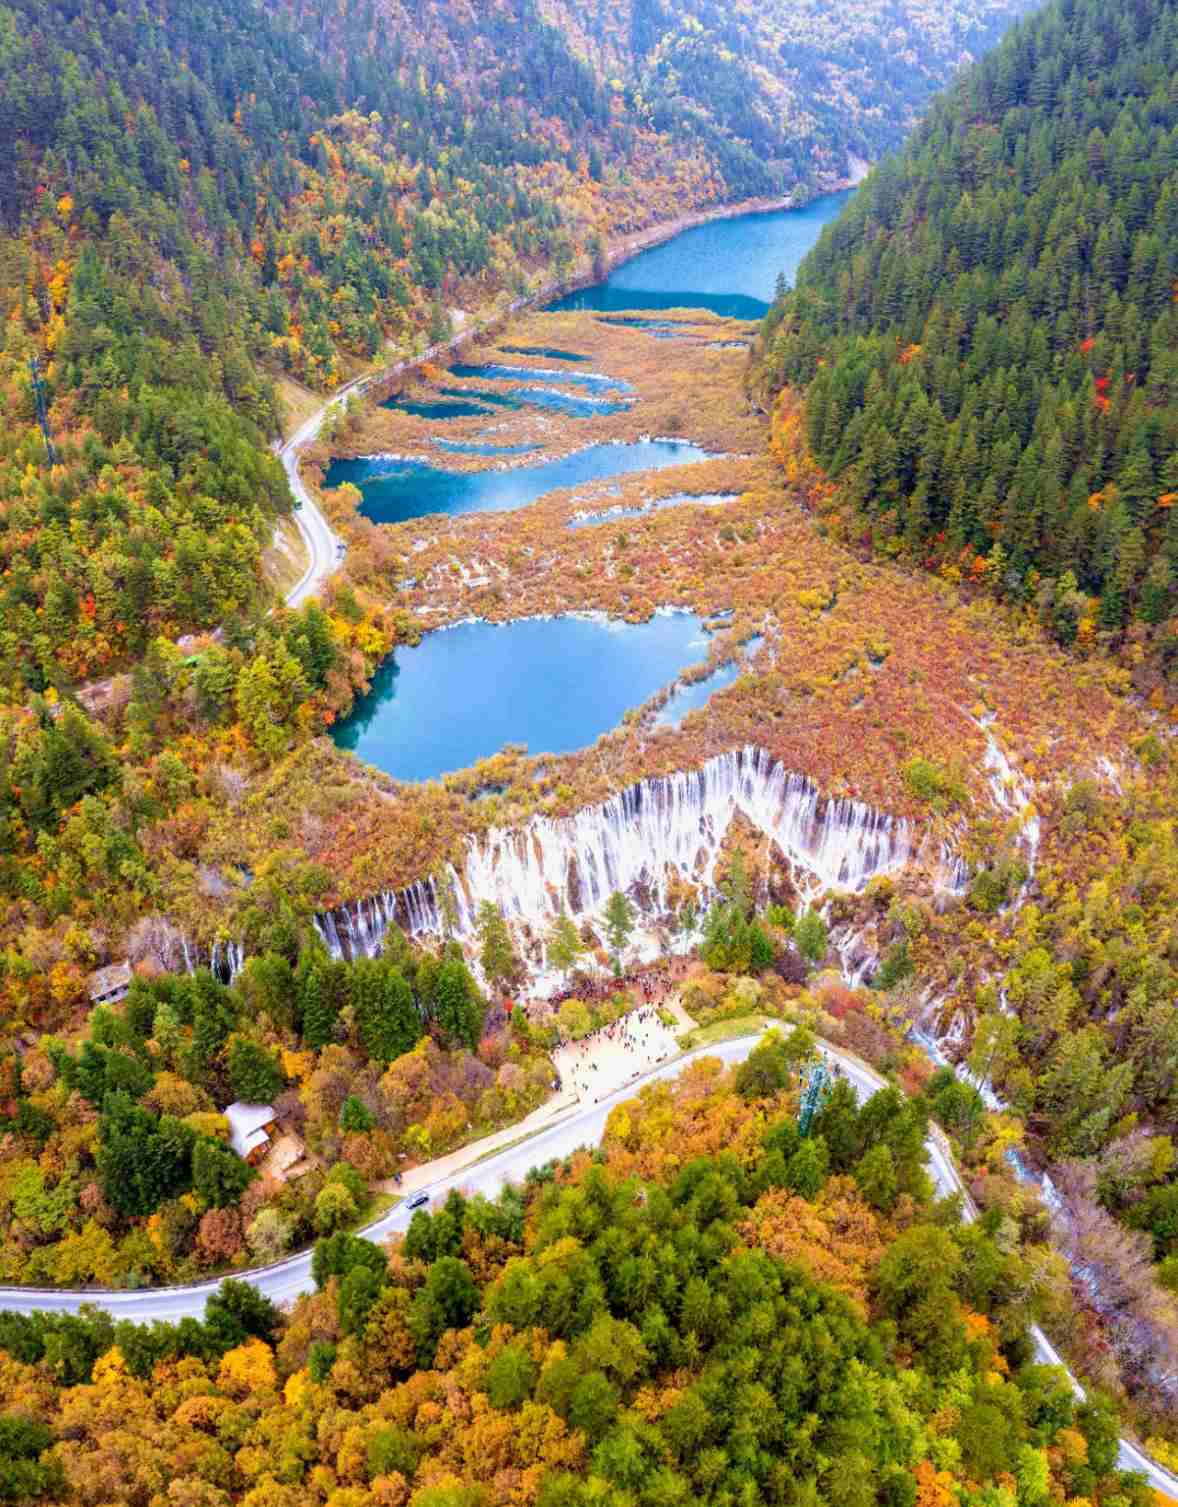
x=286 y=1280
x=323 y=546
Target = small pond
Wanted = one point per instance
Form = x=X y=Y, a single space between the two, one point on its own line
x=686 y=698
x=555 y=684
x=395 y=489
x=572 y=405
x=473 y=403
x=478 y=447
x=494 y=372
x=546 y=352
x=689 y=696
x=438 y=408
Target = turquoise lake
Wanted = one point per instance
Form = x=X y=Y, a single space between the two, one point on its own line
x=554 y=684
x=395 y=489
x=728 y=266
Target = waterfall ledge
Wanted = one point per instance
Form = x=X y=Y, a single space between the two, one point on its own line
x=659 y=833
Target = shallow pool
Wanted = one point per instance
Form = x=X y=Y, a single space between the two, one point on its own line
x=477 y=447
x=547 y=352
x=678 y=500
x=395 y=489
x=493 y=371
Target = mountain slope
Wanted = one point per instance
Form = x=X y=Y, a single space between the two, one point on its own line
x=990 y=333
x=776 y=96
x=789 y=83
x=200 y=197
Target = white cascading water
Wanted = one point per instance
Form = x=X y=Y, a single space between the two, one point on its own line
x=1013 y=795
x=661 y=830
x=227 y=960
x=223 y=959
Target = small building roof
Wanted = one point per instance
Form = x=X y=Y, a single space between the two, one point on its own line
x=105 y=981
x=247 y=1126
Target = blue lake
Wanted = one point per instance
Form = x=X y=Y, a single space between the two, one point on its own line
x=554 y=684
x=395 y=489
x=728 y=266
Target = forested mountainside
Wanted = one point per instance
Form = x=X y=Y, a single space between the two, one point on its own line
x=790 y=80
x=195 y=198
x=989 y=336
x=982 y=356
x=774 y=95
x=709 y=1310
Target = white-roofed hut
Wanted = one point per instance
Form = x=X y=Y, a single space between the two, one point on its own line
x=249 y=1129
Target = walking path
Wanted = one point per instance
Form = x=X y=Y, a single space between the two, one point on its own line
x=563 y=1102
x=617 y=1054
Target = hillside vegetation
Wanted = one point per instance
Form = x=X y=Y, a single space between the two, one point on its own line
x=195 y=199
x=988 y=337
x=775 y=95
x=981 y=355
x=728 y=1315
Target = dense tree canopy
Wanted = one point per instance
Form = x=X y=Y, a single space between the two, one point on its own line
x=700 y=1333
x=988 y=334
x=195 y=201
x=117 y=1162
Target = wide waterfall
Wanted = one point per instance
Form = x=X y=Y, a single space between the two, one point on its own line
x=649 y=838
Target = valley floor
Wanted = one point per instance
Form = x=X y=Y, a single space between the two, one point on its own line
x=859 y=668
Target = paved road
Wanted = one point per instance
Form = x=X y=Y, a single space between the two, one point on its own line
x=286 y=1280
x=323 y=546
